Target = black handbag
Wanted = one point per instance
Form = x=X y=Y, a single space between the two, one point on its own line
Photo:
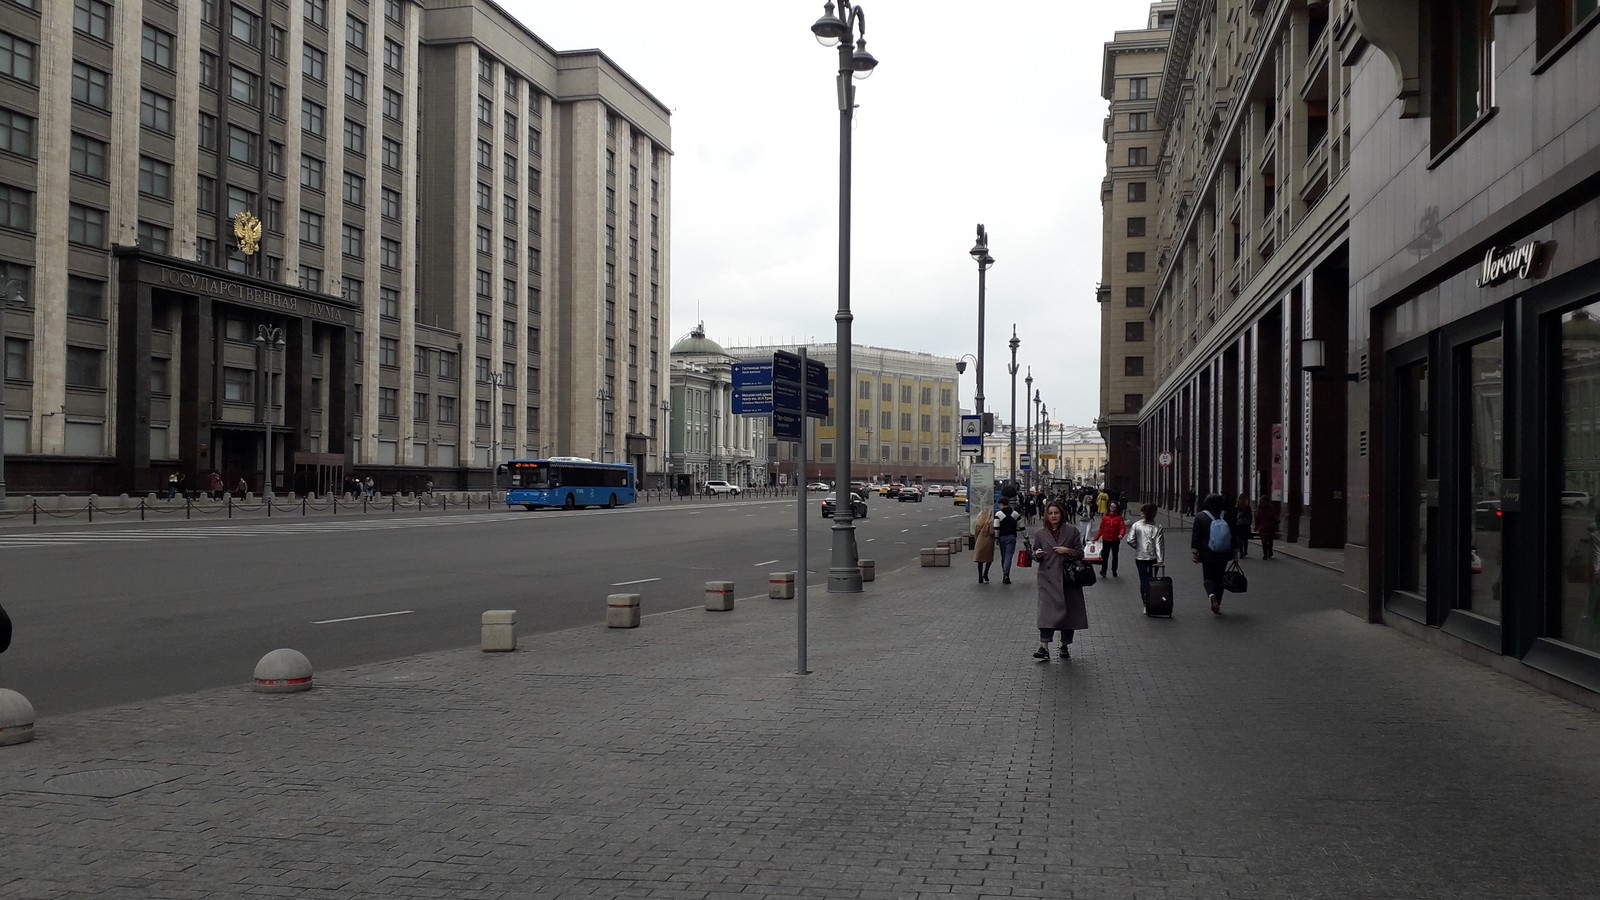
x=1234 y=580
x=1079 y=574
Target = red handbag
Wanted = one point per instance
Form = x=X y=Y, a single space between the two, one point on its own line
x=1024 y=559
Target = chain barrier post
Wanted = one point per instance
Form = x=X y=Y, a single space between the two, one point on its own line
x=188 y=507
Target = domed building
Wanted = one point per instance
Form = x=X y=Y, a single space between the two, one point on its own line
x=706 y=441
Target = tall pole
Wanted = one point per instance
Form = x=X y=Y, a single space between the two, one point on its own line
x=1011 y=423
x=1027 y=413
x=268 y=339
x=844 y=572
x=980 y=254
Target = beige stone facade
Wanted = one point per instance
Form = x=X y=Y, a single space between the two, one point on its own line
x=464 y=245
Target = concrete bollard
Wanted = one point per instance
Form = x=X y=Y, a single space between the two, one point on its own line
x=499 y=630
x=958 y=543
x=16 y=718
x=719 y=596
x=927 y=557
x=283 y=671
x=780 y=586
x=941 y=557
x=868 y=568
x=622 y=611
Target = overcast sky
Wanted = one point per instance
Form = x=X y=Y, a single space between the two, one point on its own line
x=978 y=112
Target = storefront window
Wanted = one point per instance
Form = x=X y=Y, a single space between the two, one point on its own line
x=1485 y=426
x=1577 y=478
x=1411 y=573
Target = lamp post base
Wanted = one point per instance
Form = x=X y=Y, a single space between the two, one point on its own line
x=844 y=572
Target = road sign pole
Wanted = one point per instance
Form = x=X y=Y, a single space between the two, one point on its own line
x=800 y=570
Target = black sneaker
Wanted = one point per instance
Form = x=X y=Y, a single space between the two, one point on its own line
x=1006 y=580
x=1041 y=654
x=1065 y=653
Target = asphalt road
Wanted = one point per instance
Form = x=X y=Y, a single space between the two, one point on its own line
x=109 y=614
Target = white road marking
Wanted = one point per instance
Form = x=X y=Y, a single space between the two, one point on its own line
x=767 y=563
x=403 y=612
x=640 y=581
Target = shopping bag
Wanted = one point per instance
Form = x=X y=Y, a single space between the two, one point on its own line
x=1025 y=559
x=1092 y=552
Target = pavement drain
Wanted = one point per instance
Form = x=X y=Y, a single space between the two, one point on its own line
x=106 y=783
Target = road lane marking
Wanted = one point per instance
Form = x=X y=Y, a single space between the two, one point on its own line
x=767 y=563
x=640 y=581
x=403 y=612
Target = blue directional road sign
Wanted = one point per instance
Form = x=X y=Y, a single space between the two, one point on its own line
x=752 y=388
x=752 y=374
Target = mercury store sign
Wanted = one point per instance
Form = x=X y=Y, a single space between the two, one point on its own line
x=1519 y=261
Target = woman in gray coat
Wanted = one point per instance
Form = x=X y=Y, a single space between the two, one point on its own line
x=1060 y=605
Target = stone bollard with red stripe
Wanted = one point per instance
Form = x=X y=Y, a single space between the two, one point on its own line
x=622 y=611
x=283 y=671
x=16 y=718
x=780 y=585
x=719 y=596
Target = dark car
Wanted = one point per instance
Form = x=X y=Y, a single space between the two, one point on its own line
x=947 y=490
x=909 y=493
x=858 y=506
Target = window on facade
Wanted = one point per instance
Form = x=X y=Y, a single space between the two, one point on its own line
x=312 y=118
x=1133 y=332
x=449 y=366
x=92 y=17
x=1138 y=121
x=242 y=146
x=1136 y=226
x=87 y=156
x=209 y=62
x=388 y=352
x=1135 y=192
x=393 y=103
x=86 y=297
x=1138 y=88
x=1559 y=18
x=388 y=402
x=155 y=178
x=352 y=241
x=17 y=58
x=905 y=421
x=311 y=276
x=17 y=365
x=155 y=111
x=391 y=154
x=244 y=25
x=155 y=238
x=313 y=63
x=1463 y=67
x=1132 y=403
x=355 y=137
x=886 y=392
x=885 y=420
x=244 y=85
x=317 y=12
x=445 y=409
x=394 y=54
x=310 y=227
x=355 y=32
x=155 y=46
x=1133 y=365
x=85 y=367
x=1134 y=296
x=238 y=385
x=240 y=200
x=91 y=86
x=389 y=253
x=1138 y=156
x=311 y=173
x=355 y=85
x=389 y=203
x=86 y=225
x=17 y=133
x=1136 y=261
x=355 y=189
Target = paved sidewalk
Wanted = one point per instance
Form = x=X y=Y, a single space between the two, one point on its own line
x=1282 y=750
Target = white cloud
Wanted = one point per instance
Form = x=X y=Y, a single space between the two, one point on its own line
x=986 y=112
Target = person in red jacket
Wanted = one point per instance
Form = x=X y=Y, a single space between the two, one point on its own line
x=1112 y=528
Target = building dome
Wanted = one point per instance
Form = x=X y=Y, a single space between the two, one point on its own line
x=698 y=344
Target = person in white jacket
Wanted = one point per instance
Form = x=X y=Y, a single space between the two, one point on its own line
x=1149 y=543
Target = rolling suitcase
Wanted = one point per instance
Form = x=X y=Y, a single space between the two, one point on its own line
x=1159 y=602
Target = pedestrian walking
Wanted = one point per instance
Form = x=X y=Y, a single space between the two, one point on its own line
x=1266 y=524
x=1006 y=520
x=242 y=488
x=172 y=485
x=1061 y=608
x=1102 y=502
x=214 y=484
x=983 y=546
x=1241 y=522
x=1188 y=502
x=1112 y=528
x=369 y=487
x=1149 y=543
x=1212 y=543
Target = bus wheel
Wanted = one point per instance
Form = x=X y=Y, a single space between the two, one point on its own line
x=528 y=507
x=571 y=504
x=613 y=503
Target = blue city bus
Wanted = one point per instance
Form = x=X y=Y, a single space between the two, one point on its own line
x=569 y=482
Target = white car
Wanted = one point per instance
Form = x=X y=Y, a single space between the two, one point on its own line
x=722 y=487
x=817 y=487
x=1575 y=498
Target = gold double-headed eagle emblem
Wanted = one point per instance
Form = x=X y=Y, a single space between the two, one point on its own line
x=247 y=231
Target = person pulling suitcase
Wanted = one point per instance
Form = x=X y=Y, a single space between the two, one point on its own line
x=1149 y=544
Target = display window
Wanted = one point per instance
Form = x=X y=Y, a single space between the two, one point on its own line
x=1576 y=618
x=1484 y=420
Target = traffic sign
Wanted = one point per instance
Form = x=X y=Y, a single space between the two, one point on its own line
x=786 y=397
x=1165 y=459
x=752 y=401
x=971 y=431
x=816 y=375
x=752 y=374
x=787 y=426
x=786 y=367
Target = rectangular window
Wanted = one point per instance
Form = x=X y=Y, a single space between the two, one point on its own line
x=86 y=225
x=17 y=365
x=1138 y=121
x=886 y=420
x=155 y=178
x=393 y=104
x=208 y=69
x=91 y=86
x=355 y=33
x=389 y=308
x=275 y=100
x=310 y=276
x=85 y=367
x=449 y=366
x=352 y=241
x=355 y=137
x=240 y=200
x=279 y=38
x=310 y=227
x=388 y=402
x=419 y=357
x=155 y=111
x=312 y=118
x=1135 y=192
x=311 y=173
x=1138 y=88
x=1138 y=156
x=389 y=253
x=1575 y=484
x=1133 y=365
x=388 y=352
x=313 y=62
x=480 y=413
x=419 y=407
x=238 y=385
x=446 y=409
x=394 y=54
x=155 y=238
x=391 y=154
x=1559 y=18
x=93 y=18
x=1134 y=295
x=17 y=133
x=1136 y=226
x=86 y=297
x=245 y=25
x=1485 y=467
x=389 y=203
x=155 y=47
x=1463 y=67
x=355 y=85
x=355 y=189
x=1132 y=403
x=160 y=383
x=886 y=392
x=485 y=110
x=17 y=58
x=350 y=289
x=317 y=13
x=393 y=12
x=244 y=85
x=1136 y=262
x=242 y=146
x=1133 y=332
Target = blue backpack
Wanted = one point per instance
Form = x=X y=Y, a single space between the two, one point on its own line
x=1220 y=538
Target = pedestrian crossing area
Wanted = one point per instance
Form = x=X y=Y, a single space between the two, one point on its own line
x=224 y=531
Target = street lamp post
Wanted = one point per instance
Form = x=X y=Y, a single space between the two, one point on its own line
x=1027 y=413
x=980 y=255
x=1042 y=423
x=665 y=440
x=268 y=339
x=844 y=573
x=604 y=397
x=1011 y=424
x=497 y=380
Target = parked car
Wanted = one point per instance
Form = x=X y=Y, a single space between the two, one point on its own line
x=858 y=506
x=817 y=487
x=1576 y=498
x=719 y=488
x=909 y=493
x=1486 y=516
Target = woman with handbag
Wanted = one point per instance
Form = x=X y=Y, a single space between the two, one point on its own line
x=983 y=546
x=1112 y=528
x=1056 y=547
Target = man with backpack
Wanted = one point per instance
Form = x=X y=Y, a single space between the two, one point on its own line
x=1006 y=520
x=1212 y=545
